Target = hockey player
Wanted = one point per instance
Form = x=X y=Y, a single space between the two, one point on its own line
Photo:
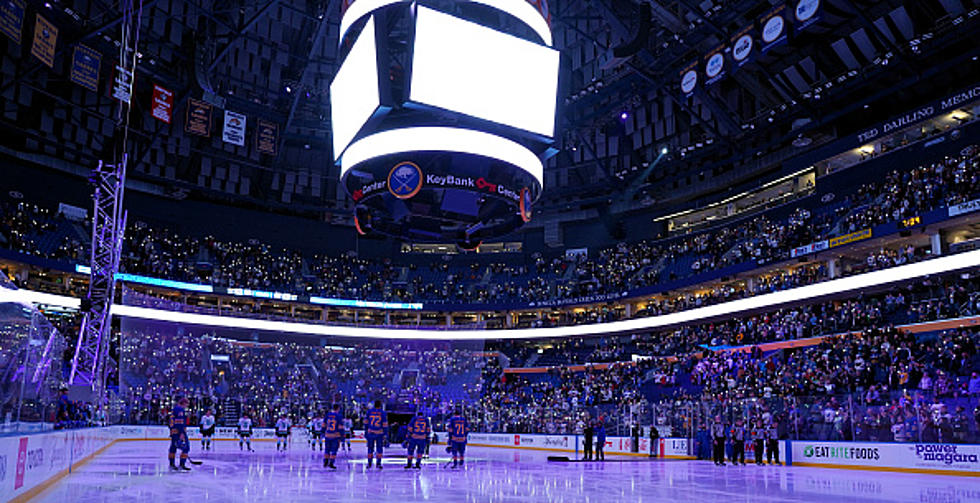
x=348 y=432
x=178 y=435
x=282 y=433
x=318 y=426
x=375 y=432
x=207 y=429
x=458 y=432
x=245 y=432
x=418 y=434
x=332 y=433
x=310 y=439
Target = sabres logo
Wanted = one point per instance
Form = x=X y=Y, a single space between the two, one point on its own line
x=405 y=180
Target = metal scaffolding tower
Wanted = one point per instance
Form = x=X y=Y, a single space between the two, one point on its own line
x=90 y=363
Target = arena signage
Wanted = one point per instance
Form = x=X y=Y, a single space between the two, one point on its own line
x=773 y=28
x=807 y=13
x=941 y=458
x=714 y=66
x=12 y=18
x=85 y=64
x=919 y=114
x=689 y=79
x=964 y=208
x=742 y=45
x=849 y=238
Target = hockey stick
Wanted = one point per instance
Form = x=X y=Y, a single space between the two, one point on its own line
x=194 y=461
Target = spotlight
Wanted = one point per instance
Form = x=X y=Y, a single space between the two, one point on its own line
x=289 y=89
x=664 y=151
x=625 y=115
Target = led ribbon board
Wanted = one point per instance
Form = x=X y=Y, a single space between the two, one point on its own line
x=523 y=10
x=858 y=282
x=470 y=69
x=442 y=139
x=354 y=95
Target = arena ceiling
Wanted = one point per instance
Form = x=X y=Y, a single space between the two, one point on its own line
x=620 y=97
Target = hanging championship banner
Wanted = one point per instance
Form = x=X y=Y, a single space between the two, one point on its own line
x=198 y=118
x=45 y=41
x=267 y=137
x=742 y=47
x=85 y=63
x=689 y=79
x=122 y=87
x=774 y=28
x=714 y=65
x=12 y=18
x=234 y=131
x=163 y=104
x=807 y=12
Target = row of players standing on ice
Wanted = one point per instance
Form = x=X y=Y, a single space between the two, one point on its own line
x=763 y=438
x=330 y=432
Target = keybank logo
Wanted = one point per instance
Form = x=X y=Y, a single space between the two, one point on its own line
x=841 y=452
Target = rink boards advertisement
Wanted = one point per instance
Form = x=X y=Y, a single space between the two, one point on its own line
x=28 y=461
x=959 y=459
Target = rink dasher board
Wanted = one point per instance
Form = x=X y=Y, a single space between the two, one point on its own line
x=31 y=463
x=936 y=459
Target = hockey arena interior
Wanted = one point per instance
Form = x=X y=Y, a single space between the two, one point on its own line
x=490 y=250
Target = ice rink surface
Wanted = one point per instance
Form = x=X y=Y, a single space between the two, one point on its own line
x=138 y=472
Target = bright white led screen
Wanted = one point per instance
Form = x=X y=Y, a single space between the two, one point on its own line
x=473 y=70
x=354 y=93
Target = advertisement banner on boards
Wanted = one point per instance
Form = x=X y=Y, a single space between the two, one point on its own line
x=198 y=119
x=925 y=457
x=234 y=131
x=12 y=18
x=45 y=41
x=163 y=104
x=85 y=63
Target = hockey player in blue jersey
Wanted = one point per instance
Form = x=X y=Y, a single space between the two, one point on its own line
x=458 y=431
x=333 y=431
x=375 y=432
x=178 y=435
x=418 y=435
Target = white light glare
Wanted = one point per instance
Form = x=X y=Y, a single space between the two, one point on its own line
x=354 y=95
x=794 y=295
x=467 y=68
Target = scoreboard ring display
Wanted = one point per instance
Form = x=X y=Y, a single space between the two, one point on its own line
x=450 y=147
x=413 y=196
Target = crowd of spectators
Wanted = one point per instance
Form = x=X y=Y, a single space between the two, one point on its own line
x=157 y=250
